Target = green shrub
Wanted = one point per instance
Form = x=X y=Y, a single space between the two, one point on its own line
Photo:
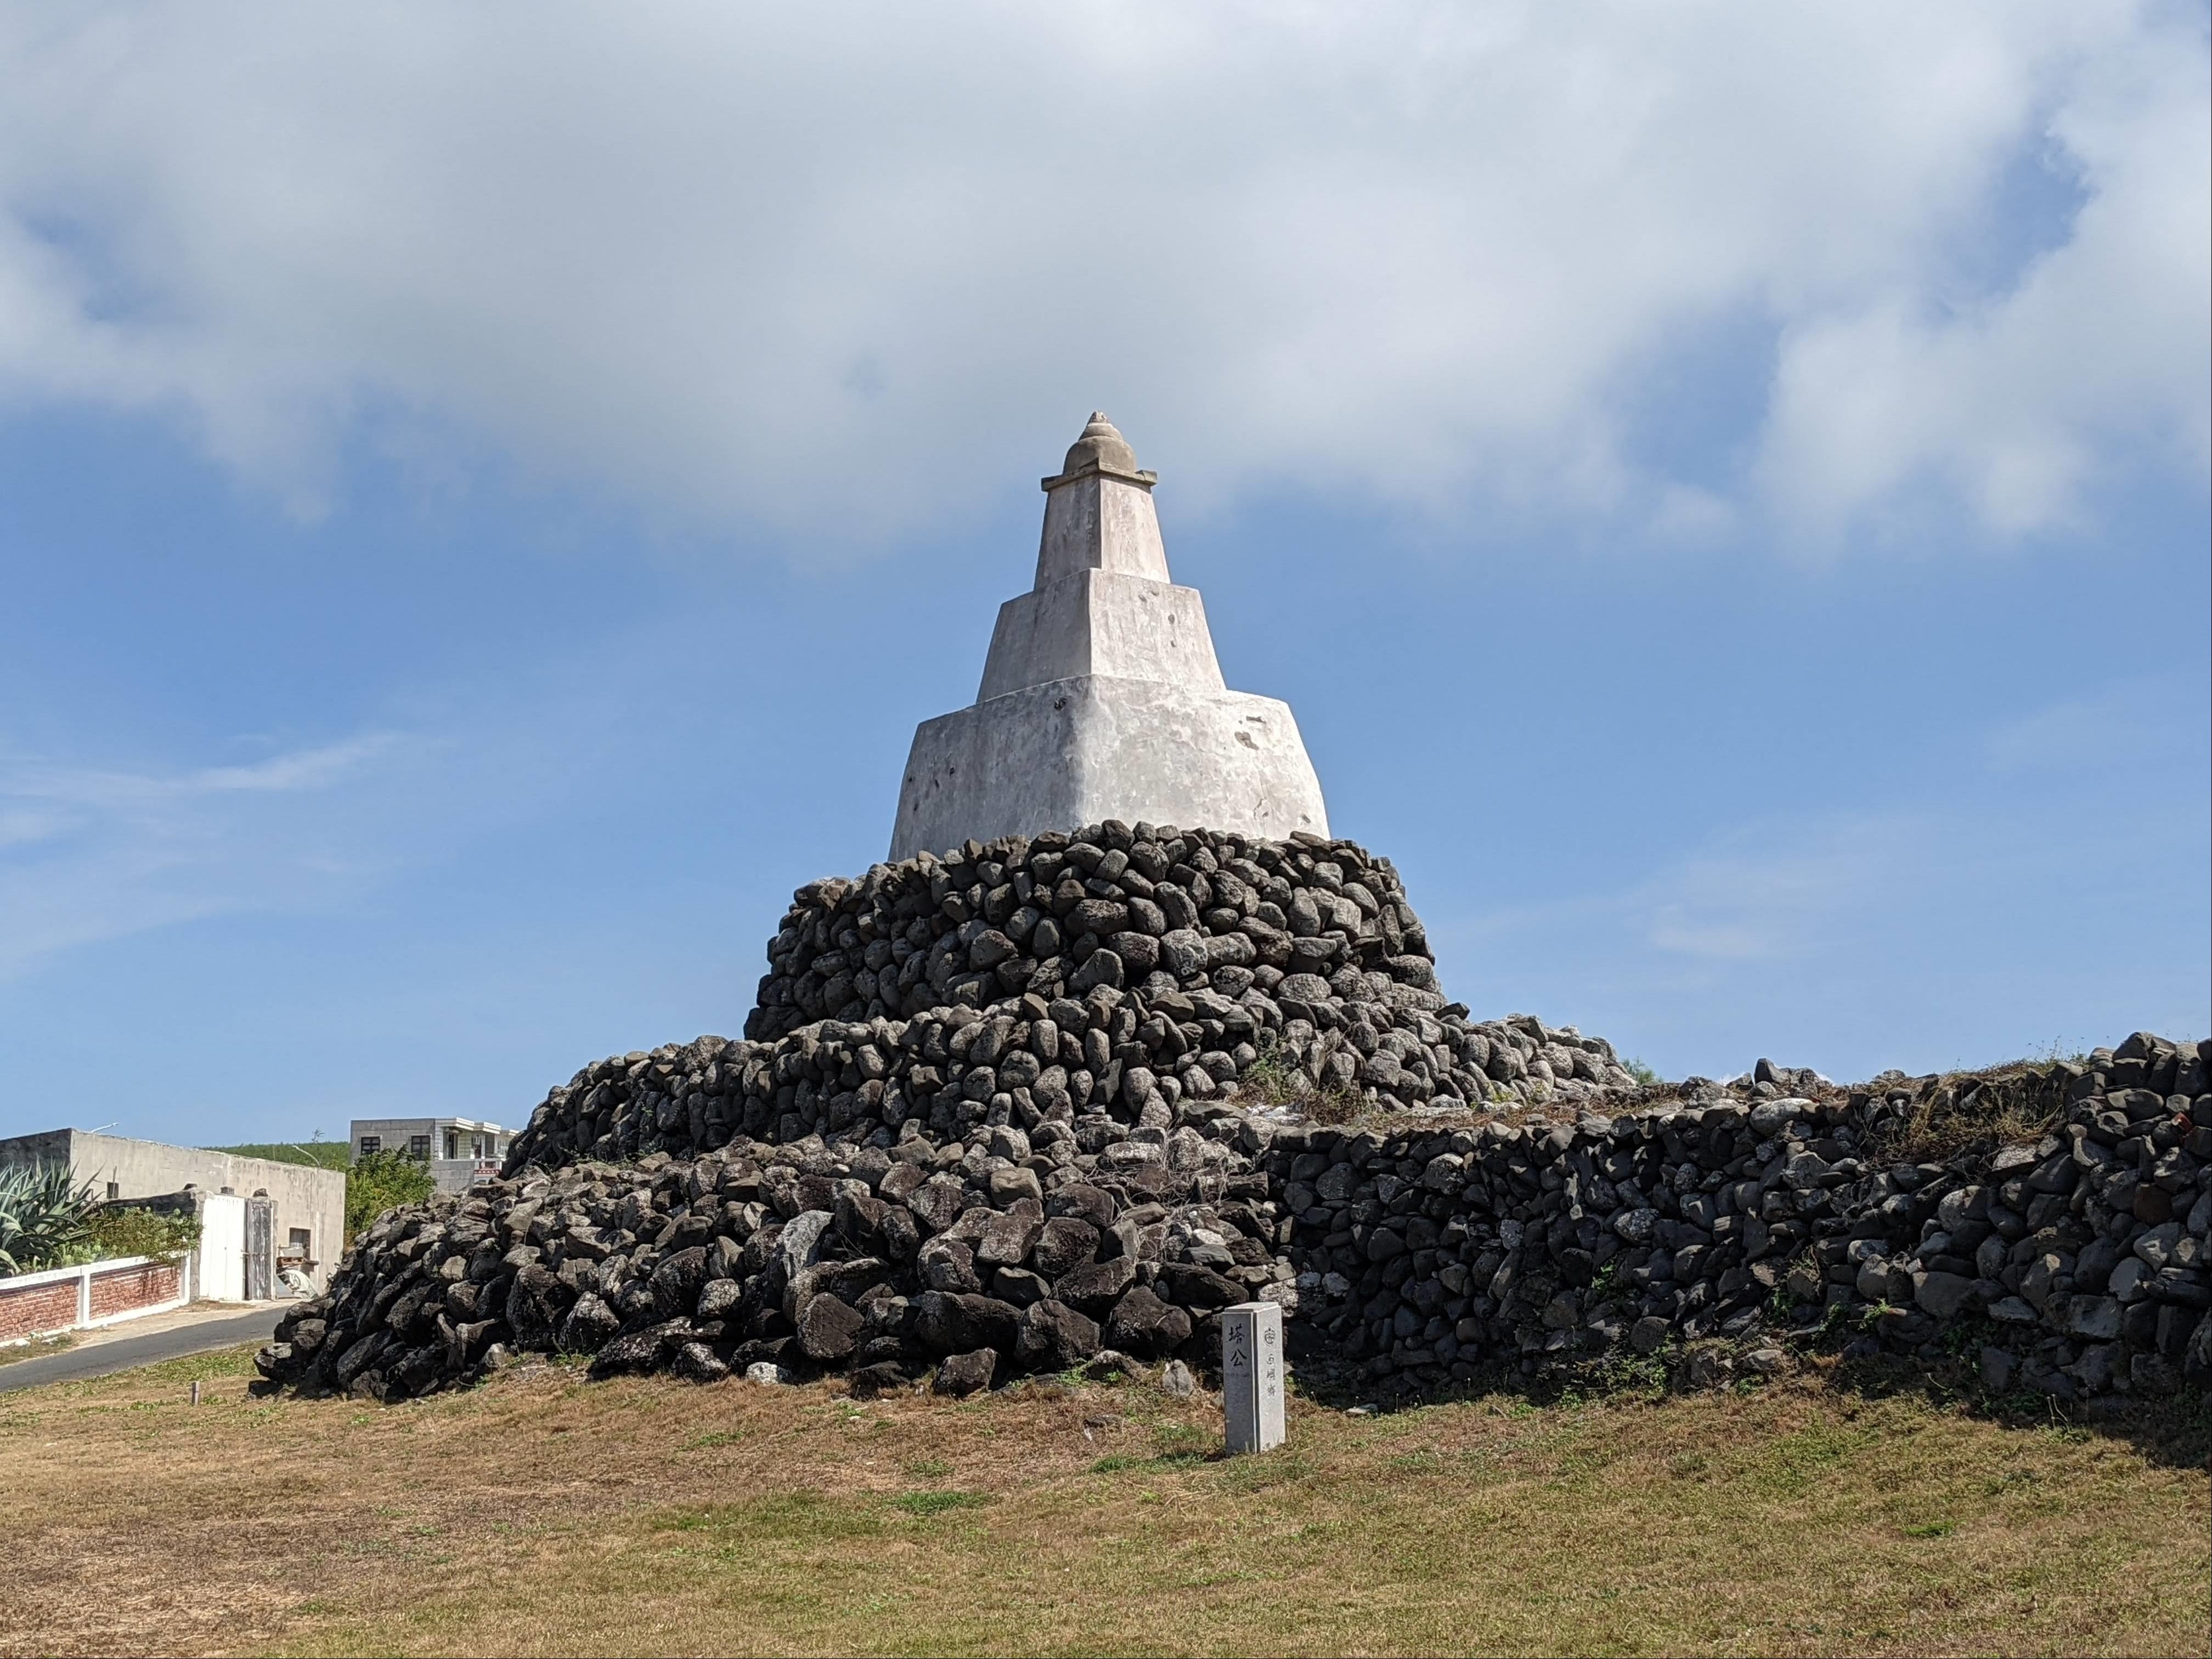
x=44 y=1217
x=117 y=1230
x=378 y=1181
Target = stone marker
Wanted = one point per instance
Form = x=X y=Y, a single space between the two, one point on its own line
x=1252 y=1375
x=1102 y=697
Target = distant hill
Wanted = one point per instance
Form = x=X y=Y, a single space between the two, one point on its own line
x=324 y=1154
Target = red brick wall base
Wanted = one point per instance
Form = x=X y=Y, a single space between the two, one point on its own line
x=50 y=1302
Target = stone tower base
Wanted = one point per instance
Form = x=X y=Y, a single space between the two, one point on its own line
x=1080 y=750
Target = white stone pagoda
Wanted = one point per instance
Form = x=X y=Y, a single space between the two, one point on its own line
x=1102 y=697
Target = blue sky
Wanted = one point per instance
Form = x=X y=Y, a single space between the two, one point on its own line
x=483 y=509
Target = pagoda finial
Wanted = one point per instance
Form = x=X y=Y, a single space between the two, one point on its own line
x=1101 y=448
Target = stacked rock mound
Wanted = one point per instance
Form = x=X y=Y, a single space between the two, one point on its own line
x=973 y=1257
x=1123 y=970
x=1052 y=1101
x=2072 y=1264
x=983 y=1105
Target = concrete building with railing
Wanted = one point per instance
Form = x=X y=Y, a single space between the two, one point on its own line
x=460 y=1151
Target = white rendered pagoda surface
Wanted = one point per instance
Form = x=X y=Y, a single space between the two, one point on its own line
x=1102 y=697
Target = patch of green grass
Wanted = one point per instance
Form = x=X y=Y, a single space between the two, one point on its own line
x=714 y=1437
x=936 y=1503
x=1788 y=1466
x=1931 y=1530
x=1281 y=1466
x=1630 y=1373
x=218 y=1365
x=37 y=1347
x=1119 y=1462
x=1180 y=1440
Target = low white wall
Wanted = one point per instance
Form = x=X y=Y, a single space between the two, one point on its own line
x=80 y=1280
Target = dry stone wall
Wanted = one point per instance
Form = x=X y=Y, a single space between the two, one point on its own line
x=1721 y=1230
x=1054 y=1103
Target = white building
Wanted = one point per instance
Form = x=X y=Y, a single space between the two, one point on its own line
x=257 y=1217
x=460 y=1151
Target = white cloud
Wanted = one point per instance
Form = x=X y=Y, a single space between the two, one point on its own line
x=304 y=768
x=856 y=265
x=1954 y=930
x=2016 y=400
x=1744 y=901
x=1771 y=890
x=93 y=850
x=95 y=854
x=2134 y=724
x=1689 y=514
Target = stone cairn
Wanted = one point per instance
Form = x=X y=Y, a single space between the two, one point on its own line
x=1053 y=1102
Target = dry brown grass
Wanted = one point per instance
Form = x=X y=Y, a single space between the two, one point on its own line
x=1987 y=1109
x=542 y=1514
x=37 y=1347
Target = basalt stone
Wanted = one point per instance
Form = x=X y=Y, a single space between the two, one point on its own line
x=677 y=1280
x=1062 y=1243
x=937 y=1203
x=1193 y=1286
x=962 y=1374
x=1010 y=1186
x=828 y=1329
x=1942 y=1294
x=799 y=1245
x=589 y=1325
x=955 y=1324
x=1143 y=1325
x=535 y=1308
x=1020 y=1287
x=1007 y=1238
x=696 y=1362
x=949 y=1265
x=871 y=1381
x=718 y=1299
x=1094 y=1286
x=643 y=1350
x=1055 y=1337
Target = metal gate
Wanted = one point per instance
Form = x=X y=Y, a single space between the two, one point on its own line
x=260 y=1248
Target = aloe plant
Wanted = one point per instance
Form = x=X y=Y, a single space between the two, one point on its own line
x=45 y=1215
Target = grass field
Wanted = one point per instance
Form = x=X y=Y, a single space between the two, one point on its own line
x=543 y=1514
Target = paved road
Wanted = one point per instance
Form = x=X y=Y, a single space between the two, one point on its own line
x=123 y=1353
